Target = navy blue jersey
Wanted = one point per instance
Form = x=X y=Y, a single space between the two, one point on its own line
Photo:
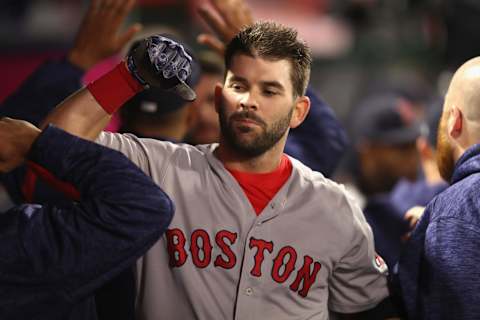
x=53 y=258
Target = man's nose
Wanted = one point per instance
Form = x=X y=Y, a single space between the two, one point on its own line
x=249 y=102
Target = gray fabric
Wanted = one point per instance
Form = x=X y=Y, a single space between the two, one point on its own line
x=310 y=218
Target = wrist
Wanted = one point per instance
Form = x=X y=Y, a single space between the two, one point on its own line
x=115 y=88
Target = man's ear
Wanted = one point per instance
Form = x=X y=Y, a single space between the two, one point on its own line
x=218 y=96
x=455 y=122
x=300 y=111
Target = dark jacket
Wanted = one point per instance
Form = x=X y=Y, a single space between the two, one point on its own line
x=438 y=270
x=53 y=258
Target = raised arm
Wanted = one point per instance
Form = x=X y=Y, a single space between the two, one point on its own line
x=59 y=255
x=156 y=61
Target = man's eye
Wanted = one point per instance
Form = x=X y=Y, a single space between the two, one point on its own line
x=269 y=92
x=236 y=86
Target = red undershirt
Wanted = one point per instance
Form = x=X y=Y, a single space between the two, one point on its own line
x=260 y=188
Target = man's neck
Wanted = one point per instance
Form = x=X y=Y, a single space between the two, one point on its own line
x=264 y=163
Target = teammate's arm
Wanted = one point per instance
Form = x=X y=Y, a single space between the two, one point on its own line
x=77 y=247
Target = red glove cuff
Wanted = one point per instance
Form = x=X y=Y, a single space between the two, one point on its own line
x=114 y=88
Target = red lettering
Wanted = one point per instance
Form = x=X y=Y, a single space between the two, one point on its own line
x=206 y=248
x=176 y=247
x=278 y=262
x=226 y=250
x=261 y=246
x=305 y=276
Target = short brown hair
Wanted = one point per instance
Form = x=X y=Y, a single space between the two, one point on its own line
x=274 y=41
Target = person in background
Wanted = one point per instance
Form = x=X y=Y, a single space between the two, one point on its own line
x=438 y=272
x=385 y=131
x=412 y=197
x=53 y=258
x=206 y=127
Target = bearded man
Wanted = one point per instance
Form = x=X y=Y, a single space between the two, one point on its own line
x=258 y=234
x=439 y=273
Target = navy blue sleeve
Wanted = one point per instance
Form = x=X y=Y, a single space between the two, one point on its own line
x=320 y=141
x=43 y=90
x=53 y=254
x=450 y=275
x=39 y=94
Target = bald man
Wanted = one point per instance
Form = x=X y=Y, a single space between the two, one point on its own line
x=440 y=271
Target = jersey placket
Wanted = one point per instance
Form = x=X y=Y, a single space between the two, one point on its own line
x=250 y=284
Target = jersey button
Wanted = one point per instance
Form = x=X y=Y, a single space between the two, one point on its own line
x=272 y=205
x=249 y=291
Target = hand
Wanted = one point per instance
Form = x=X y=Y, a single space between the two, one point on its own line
x=16 y=139
x=226 y=18
x=98 y=37
x=412 y=216
x=162 y=63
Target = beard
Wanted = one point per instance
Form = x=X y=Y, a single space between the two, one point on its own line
x=444 y=155
x=259 y=144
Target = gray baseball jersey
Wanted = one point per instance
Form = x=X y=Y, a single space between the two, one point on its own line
x=308 y=252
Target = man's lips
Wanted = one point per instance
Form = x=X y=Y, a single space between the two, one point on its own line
x=247 y=121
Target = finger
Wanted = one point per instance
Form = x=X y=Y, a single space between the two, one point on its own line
x=123 y=7
x=216 y=23
x=212 y=42
x=128 y=35
x=235 y=13
x=245 y=16
x=224 y=9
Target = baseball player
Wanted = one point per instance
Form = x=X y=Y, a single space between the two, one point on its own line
x=53 y=258
x=256 y=233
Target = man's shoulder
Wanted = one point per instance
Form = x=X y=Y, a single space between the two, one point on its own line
x=458 y=200
x=310 y=178
x=313 y=186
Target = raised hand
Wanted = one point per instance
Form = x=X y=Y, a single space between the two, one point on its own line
x=99 y=37
x=226 y=18
x=163 y=63
x=16 y=139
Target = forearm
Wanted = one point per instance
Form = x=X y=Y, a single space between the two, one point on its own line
x=80 y=246
x=80 y=115
x=89 y=110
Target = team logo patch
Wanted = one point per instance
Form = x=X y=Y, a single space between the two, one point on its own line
x=380 y=264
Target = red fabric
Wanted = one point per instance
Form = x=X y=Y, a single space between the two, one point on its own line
x=260 y=188
x=33 y=170
x=114 y=88
x=28 y=187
